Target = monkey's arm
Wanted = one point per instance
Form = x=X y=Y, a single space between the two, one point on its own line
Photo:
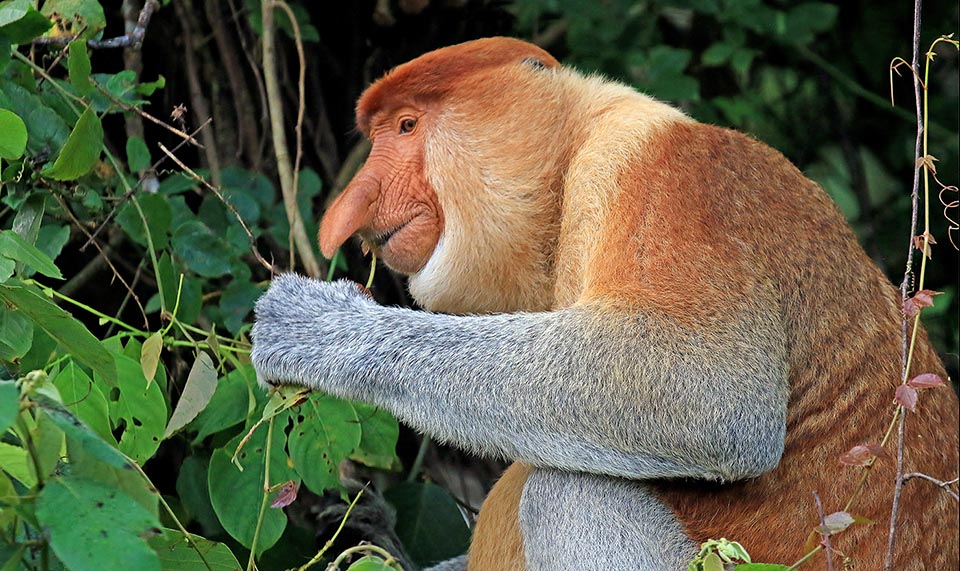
x=579 y=389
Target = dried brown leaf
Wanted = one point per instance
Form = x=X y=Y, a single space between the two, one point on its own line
x=926 y=381
x=906 y=397
x=921 y=299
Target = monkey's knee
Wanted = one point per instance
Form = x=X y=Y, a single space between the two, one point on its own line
x=573 y=521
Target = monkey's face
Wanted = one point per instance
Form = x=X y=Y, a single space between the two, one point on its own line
x=389 y=202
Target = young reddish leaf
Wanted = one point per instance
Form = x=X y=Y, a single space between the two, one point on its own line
x=861 y=454
x=286 y=495
x=918 y=243
x=906 y=397
x=926 y=381
x=835 y=523
x=928 y=162
x=921 y=299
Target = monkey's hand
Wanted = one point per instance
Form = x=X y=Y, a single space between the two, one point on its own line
x=305 y=331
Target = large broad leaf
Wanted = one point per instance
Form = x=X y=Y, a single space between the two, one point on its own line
x=81 y=151
x=16 y=248
x=195 y=495
x=78 y=66
x=60 y=325
x=178 y=554
x=84 y=399
x=13 y=135
x=429 y=522
x=74 y=15
x=156 y=209
x=201 y=384
x=236 y=494
x=370 y=563
x=16 y=334
x=20 y=22
x=94 y=527
x=9 y=404
x=77 y=431
x=326 y=432
x=138 y=409
x=203 y=251
x=378 y=439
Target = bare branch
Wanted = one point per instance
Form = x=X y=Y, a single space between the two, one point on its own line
x=945 y=485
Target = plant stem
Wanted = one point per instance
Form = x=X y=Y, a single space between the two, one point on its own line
x=251 y=563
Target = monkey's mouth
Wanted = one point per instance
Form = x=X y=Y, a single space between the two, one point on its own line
x=376 y=242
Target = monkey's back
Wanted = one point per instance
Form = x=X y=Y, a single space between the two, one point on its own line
x=843 y=320
x=716 y=219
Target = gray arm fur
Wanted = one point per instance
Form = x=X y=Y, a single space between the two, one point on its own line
x=576 y=389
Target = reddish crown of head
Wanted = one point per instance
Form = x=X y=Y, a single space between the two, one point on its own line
x=435 y=74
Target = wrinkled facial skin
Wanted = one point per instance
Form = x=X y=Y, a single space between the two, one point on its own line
x=389 y=202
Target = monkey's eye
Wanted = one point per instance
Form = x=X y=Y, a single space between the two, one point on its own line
x=407 y=126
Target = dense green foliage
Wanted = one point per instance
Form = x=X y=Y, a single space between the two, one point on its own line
x=128 y=279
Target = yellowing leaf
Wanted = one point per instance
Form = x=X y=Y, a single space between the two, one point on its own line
x=201 y=383
x=150 y=356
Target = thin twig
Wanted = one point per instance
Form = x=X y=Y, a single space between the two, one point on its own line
x=945 y=485
x=905 y=348
x=134 y=39
x=127 y=107
x=826 y=534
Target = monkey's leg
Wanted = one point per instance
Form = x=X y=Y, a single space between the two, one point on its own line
x=572 y=521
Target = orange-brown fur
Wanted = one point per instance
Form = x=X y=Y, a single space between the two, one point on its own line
x=641 y=208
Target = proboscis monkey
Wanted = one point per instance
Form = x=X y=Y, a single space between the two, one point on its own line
x=669 y=328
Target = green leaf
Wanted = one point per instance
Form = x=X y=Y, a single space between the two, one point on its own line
x=233 y=492
x=60 y=325
x=73 y=15
x=326 y=433
x=16 y=335
x=192 y=489
x=370 y=563
x=78 y=66
x=761 y=567
x=84 y=399
x=20 y=22
x=429 y=522
x=148 y=88
x=803 y=22
x=80 y=433
x=156 y=210
x=203 y=251
x=177 y=554
x=379 y=432
x=9 y=404
x=13 y=135
x=46 y=130
x=712 y=562
x=717 y=54
x=81 y=151
x=7 y=267
x=138 y=409
x=14 y=461
x=237 y=302
x=14 y=247
x=138 y=155
x=201 y=384
x=93 y=527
